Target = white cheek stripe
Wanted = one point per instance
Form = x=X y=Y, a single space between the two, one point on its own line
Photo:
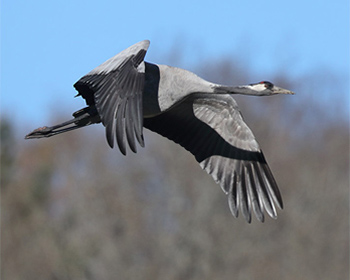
x=257 y=87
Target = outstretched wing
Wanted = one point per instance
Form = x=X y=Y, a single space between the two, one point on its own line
x=115 y=88
x=212 y=129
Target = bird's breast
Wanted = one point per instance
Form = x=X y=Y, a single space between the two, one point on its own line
x=175 y=84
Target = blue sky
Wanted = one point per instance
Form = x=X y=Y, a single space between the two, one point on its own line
x=46 y=46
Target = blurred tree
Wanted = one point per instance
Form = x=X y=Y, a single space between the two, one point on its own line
x=7 y=151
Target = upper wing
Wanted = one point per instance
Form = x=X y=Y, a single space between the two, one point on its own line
x=212 y=129
x=115 y=88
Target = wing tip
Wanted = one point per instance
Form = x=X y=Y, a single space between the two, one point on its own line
x=145 y=43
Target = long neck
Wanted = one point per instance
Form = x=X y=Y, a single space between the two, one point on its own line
x=245 y=90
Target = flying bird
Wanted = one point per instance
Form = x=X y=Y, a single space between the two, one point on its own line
x=126 y=93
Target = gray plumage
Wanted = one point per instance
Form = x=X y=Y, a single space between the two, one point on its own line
x=126 y=93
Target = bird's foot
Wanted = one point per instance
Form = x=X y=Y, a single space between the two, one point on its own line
x=39 y=133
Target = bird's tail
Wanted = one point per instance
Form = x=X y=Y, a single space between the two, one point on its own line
x=83 y=117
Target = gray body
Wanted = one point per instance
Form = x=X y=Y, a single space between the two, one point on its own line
x=126 y=94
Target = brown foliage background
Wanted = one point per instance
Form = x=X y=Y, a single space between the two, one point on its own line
x=71 y=208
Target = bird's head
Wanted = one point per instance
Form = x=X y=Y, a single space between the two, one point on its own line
x=264 y=88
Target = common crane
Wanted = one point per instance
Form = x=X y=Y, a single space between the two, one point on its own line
x=126 y=93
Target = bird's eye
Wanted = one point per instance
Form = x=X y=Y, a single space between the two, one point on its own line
x=267 y=84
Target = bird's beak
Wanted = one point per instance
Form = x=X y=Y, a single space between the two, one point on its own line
x=278 y=90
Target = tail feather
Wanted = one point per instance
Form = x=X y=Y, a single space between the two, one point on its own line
x=83 y=117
